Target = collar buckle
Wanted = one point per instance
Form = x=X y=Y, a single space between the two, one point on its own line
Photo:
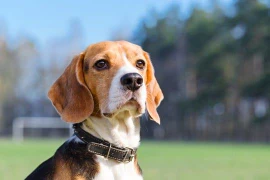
x=131 y=153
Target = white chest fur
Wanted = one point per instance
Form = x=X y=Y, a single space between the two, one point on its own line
x=122 y=132
x=111 y=170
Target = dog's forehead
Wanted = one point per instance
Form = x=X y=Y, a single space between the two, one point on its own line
x=121 y=47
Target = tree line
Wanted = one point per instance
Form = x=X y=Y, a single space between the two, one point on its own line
x=213 y=67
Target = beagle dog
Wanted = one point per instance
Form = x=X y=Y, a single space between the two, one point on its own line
x=103 y=92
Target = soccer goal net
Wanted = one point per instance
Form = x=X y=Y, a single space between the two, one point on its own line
x=47 y=123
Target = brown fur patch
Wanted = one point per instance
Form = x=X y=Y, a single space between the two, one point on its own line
x=80 y=161
x=62 y=170
x=137 y=167
x=154 y=93
x=86 y=67
x=71 y=161
x=69 y=94
x=80 y=178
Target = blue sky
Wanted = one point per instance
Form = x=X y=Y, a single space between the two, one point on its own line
x=44 y=20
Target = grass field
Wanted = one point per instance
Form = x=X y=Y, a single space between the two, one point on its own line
x=159 y=160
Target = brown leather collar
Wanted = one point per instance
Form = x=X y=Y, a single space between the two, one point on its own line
x=103 y=147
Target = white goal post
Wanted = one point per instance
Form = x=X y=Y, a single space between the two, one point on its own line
x=20 y=123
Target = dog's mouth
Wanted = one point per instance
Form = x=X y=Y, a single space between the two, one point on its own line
x=132 y=101
x=132 y=105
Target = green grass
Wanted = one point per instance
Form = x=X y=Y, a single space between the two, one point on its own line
x=159 y=160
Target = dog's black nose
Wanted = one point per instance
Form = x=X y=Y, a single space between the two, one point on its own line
x=132 y=81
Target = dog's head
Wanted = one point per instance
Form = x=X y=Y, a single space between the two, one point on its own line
x=107 y=79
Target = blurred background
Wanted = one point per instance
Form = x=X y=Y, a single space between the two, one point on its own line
x=212 y=61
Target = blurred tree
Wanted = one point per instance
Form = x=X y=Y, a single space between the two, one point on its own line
x=205 y=47
x=26 y=73
x=17 y=72
x=213 y=62
x=213 y=67
x=160 y=30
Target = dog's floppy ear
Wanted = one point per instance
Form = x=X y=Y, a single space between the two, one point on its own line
x=154 y=93
x=70 y=95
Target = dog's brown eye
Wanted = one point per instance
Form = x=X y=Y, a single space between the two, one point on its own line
x=101 y=64
x=140 y=64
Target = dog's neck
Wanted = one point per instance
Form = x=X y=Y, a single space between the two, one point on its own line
x=121 y=130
